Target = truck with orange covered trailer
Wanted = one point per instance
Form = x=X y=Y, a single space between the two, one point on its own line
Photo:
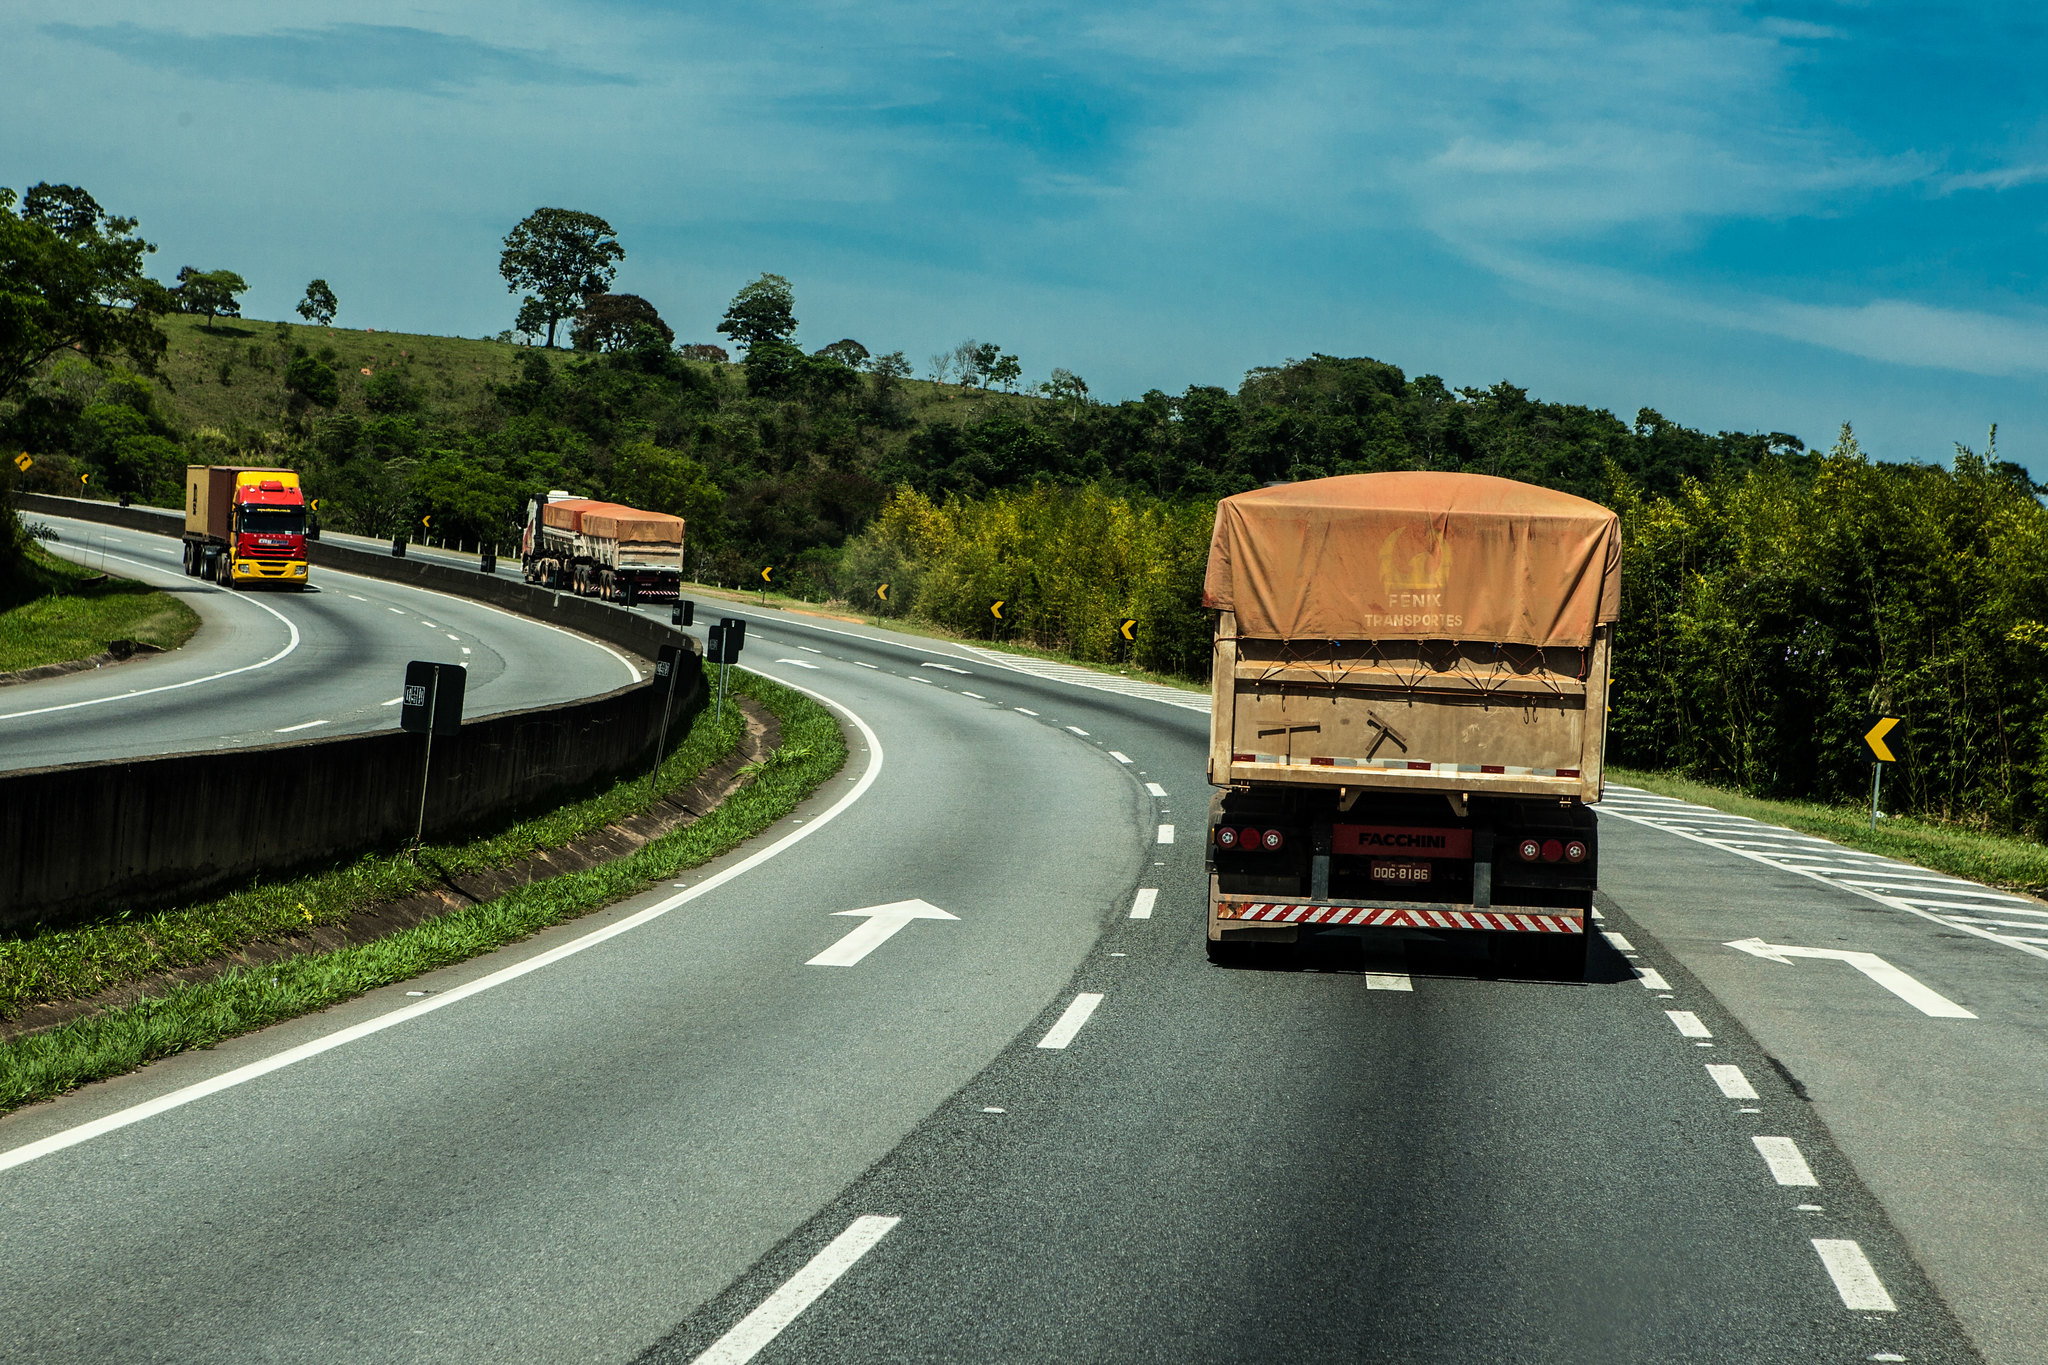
x=603 y=549
x=245 y=526
x=1409 y=708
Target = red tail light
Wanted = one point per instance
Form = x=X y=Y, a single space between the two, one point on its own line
x=1530 y=850
x=1248 y=840
x=1271 y=840
x=1575 y=852
x=1552 y=850
x=1226 y=837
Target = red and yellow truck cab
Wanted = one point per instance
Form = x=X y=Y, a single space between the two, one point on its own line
x=245 y=526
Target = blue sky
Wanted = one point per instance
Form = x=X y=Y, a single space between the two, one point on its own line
x=1755 y=217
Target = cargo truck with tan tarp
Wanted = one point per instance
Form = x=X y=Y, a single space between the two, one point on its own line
x=603 y=549
x=1409 y=709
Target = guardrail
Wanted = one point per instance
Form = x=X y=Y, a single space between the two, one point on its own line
x=89 y=837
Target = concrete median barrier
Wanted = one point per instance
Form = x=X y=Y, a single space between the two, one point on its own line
x=82 y=839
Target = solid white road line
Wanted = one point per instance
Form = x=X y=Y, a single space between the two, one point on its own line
x=1070 y=1022
x=1119 y=757
x=227 y=1080
x=1688 y=1024
x=1652 y=979
x=1141 y=908
x=290 y=645
x=1854 y=1278
x=302 y=725
x=1388 y=981
x=1733 y=1083
x=1166 y=834
x=1155 y=789
x=1787 y=1163
x=781 y=1308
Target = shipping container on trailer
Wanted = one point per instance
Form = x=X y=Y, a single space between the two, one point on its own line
x=1409 y=710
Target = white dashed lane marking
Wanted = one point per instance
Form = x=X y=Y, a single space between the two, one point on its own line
x=1733 y=1083
x=1787 y=1162
x=1155 y=789
x=1069 y=1023
x=1855 y=1279
x=1141 y=908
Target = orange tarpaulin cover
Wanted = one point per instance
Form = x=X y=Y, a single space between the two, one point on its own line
x=566 y=514
x=632 y=526
x=1415 y=556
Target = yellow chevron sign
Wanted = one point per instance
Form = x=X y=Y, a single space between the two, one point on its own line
x=1873 y=738
x=995 y=608
x=768 y=574
x=1125 y=627
x=883 y=592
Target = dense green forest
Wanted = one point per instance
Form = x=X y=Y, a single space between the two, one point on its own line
x=1773 y=594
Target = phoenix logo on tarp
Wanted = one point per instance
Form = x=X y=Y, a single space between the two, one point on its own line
x=1415 y=560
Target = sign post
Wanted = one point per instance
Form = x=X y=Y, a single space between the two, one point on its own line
x=1875 y=728
x=668 y=669
x=430 y=705
x=722 y=646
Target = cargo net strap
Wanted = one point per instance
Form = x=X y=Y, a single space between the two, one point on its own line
x=1418 y=665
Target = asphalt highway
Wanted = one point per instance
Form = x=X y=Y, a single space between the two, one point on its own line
x=268 y=666
x=1016 y=1114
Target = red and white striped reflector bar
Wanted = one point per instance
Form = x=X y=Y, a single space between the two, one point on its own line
x=1294 y=912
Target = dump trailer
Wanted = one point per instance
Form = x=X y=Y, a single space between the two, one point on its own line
x=603 y=549
x=1409 y=710
x=245 y=526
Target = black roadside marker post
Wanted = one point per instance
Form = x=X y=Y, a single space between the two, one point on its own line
x=430 y=705
x=722 y=645
x=667 y=669
x=1875 y=728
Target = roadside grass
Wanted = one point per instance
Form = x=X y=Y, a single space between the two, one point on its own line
x=1995 y=859
x=203 y=1014
x=836 y=610
x=52 y=613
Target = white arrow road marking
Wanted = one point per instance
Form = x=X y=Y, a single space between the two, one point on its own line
x=883 y=923
x=781 y=1308
x=1854 y=1278
x=1928 y=1002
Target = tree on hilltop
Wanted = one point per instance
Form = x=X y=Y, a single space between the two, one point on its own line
x=608 y=322
x=846 y=351
x=71 y=279
x=319 y=306
x=564 y=257
x=211 y=292
x=764 y=311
